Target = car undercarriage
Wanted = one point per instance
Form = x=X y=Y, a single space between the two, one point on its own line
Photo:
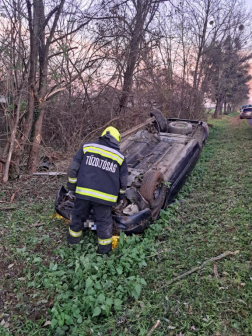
x=160 y=155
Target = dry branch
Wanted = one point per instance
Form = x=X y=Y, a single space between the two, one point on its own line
x=153 y=328
x=103 y=126
x=8 y=208
x=223 y=255
x=4 y=161
x=38 y=224
x=216 y=271
x=153 y=255
x=49 y=174
x=134 y=129
x=12 y=198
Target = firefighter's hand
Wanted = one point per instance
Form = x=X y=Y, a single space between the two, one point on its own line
x=71 y=194
x=120 y=201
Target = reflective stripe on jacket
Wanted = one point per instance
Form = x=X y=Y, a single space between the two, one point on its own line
x=99 y=172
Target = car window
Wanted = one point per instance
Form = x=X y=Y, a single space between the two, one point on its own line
x=247 y=109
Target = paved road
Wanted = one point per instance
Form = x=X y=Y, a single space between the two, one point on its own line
x=249 y=121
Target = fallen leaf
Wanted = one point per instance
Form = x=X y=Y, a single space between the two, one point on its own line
x=6 y=325
x=242 y=301
x=217 y=333
x=38 y=224
x=193 y=328
x=11 y=265
x=222 y=288
x=242 y=284
x=46 y=323
x=21 y=279
x=2 y=322
x=171 y=327
x=12 y=198
x=215 y=271
x=225 y=273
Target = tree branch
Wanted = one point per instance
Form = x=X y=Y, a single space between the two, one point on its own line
x=223 y=255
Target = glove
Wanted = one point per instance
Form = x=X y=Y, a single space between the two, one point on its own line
x=71 y=194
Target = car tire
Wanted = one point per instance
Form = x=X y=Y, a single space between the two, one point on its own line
x=153 y=189
x=160 y=120
x=180 y=127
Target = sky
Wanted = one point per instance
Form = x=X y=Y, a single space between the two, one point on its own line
x=249 y=3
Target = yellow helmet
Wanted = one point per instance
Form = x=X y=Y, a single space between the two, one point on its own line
x=112 y=134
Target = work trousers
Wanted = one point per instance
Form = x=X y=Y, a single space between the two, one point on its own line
x=102 y=219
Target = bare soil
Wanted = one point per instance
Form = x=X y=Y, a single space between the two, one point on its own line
x=31 y=188
x=235 y=120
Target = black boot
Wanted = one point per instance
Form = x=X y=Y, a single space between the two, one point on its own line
x=105 y=249
x=72 y=240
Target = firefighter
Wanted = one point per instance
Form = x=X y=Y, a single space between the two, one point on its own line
x=98 y=180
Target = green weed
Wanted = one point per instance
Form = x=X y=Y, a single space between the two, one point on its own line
x=81 y=293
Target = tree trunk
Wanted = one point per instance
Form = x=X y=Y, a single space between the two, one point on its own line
x=225 y=106
x=12 y=142
x=128 y=75
x=220 y=106
x=142 y=10
x=216 y=112
x=19 y=149
x=32 y=162
x=33 y=30
x=199 y=55
x=43 y=70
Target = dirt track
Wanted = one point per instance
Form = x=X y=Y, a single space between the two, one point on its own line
x=236 y=120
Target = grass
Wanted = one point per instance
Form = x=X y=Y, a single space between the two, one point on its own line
x=82 y=294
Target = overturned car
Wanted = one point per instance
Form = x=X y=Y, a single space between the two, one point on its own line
x=160 y=155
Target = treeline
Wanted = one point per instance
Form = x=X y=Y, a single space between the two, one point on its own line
x=67 y=68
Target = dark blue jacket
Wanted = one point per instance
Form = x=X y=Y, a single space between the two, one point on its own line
x=99 y=172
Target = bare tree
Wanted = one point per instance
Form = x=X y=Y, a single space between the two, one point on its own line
x=70 y=67
x=47 y=25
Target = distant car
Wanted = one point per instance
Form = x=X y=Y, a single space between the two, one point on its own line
x=160 y=155
x=245 y=106
x=246 y=113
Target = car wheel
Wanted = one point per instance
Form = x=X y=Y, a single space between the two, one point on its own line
x=160 y=120
x=180 y=127
x=153 y=190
